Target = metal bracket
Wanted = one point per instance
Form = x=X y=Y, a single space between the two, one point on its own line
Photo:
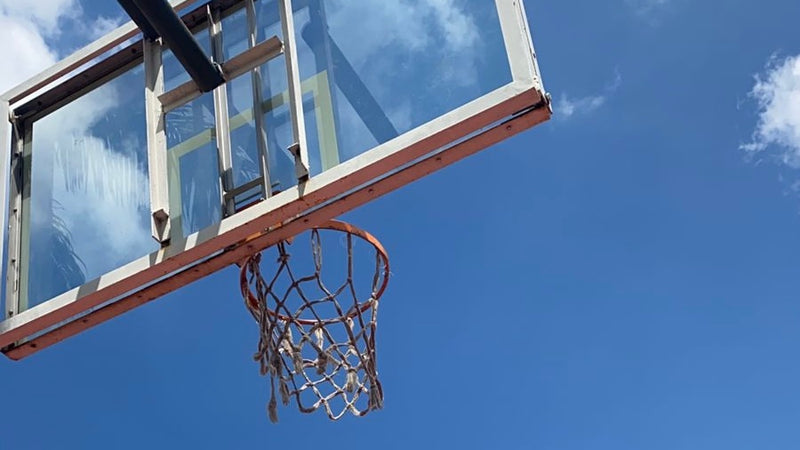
x=161 y=226
x=300 y=168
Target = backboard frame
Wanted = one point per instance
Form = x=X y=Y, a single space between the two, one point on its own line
x=504 y=112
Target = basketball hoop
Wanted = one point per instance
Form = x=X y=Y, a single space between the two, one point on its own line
x=318 y=344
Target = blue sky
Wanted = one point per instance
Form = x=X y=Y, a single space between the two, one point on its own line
x=623 y=277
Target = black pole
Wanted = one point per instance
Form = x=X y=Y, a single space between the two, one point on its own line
x=138 y=18
x=159 y=19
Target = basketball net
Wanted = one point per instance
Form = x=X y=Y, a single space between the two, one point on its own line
x=317 y=343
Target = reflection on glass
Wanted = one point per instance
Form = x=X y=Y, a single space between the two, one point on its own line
x=243 y=105
x=235 y=34
x=277 y=124
x=272 y=102
x=245 y=153
x=89 y=205
x=260 y=99
x=193 y=166
x=391 y=66
x=369 y=72
x=268 y=20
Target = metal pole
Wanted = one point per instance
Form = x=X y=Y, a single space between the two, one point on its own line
x=223 y=132
x=299 y=148
x=156 y=142
x=161 y=18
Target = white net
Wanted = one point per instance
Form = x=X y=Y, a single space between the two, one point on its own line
x=317 y=343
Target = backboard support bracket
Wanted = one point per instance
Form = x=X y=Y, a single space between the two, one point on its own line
x=156 y=141
x=161 y=224
x=299 y=149
x=158 y=19
x=300 y=168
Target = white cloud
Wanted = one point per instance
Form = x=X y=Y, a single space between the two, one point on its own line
x=441 y=40
x=44 y=14
x=24 y=45
x=408 y=28
x=401 y=24
x=26 y=26
x=104 y=25
x=777 y=92
x=97 y=181
x=456 y=24
x=566 y=107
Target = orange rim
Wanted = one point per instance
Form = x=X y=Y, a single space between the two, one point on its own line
x=334 y=225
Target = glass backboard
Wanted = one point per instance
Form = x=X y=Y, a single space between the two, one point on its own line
x=126 y=182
